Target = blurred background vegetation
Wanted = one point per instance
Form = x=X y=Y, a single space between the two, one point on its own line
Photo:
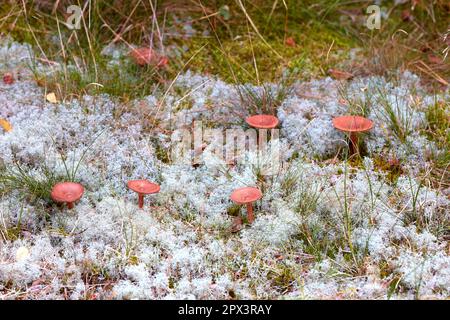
x=239 y=40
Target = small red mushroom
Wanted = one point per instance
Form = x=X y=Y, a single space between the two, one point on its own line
x=262 y=121
x=143 y=56
x=353 y=125
x=8 y=78
x=143 y=187
x=247 y=196
x=290 y=42
x=67 y=192
x=147 y=56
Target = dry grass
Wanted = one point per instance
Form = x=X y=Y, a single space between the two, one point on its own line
x=417 y=44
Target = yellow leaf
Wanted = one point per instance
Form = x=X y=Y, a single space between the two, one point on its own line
x=5 y=125
x=51 y=97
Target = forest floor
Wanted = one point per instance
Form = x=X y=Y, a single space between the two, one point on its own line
x=75 y=106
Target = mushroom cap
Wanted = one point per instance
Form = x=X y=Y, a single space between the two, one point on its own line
x=262 y=121
x=143 y=56
x=246 y=195
x=67 y=192
x=352 y=123
x=8 y=78
x=143 y=186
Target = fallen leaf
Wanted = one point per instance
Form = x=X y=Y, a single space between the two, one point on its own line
x=343 y=101
x=434 y=59
x=22 y=253
x=331 y=161
x=37 y=282
x=5 y=125
x=278 y=256
x=51 y=97
x=340 y=75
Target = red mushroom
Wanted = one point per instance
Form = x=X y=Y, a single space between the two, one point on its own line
x=143 y=56
x=262 y=121
x=8 y=78
x=290 y=42
x=353 y=125
x=247 y=196
x=67 y=192
x=143 y=187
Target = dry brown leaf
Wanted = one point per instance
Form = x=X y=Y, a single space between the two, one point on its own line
x=434 y=59
x=339 y=74
x=343 y=101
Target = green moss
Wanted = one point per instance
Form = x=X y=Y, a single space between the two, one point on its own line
x=392 y=167
x=438 y=119
x=133 y=260
x=234 y=210
x=12 y=233
x=163 y=154
x=437 y=130
x=235 y=59
x=282 y=277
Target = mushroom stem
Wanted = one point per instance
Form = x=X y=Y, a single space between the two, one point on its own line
x=353 y=143
x=70 y=205
x=250 y=215
x=141 y=200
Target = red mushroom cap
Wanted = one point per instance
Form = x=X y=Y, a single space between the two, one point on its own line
x=352 y=124
x=290 y=42
x=262 y=121
x=8 y=78
x=67 y=192
x=246 y=195
x=143 y=56
x=143 y=186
